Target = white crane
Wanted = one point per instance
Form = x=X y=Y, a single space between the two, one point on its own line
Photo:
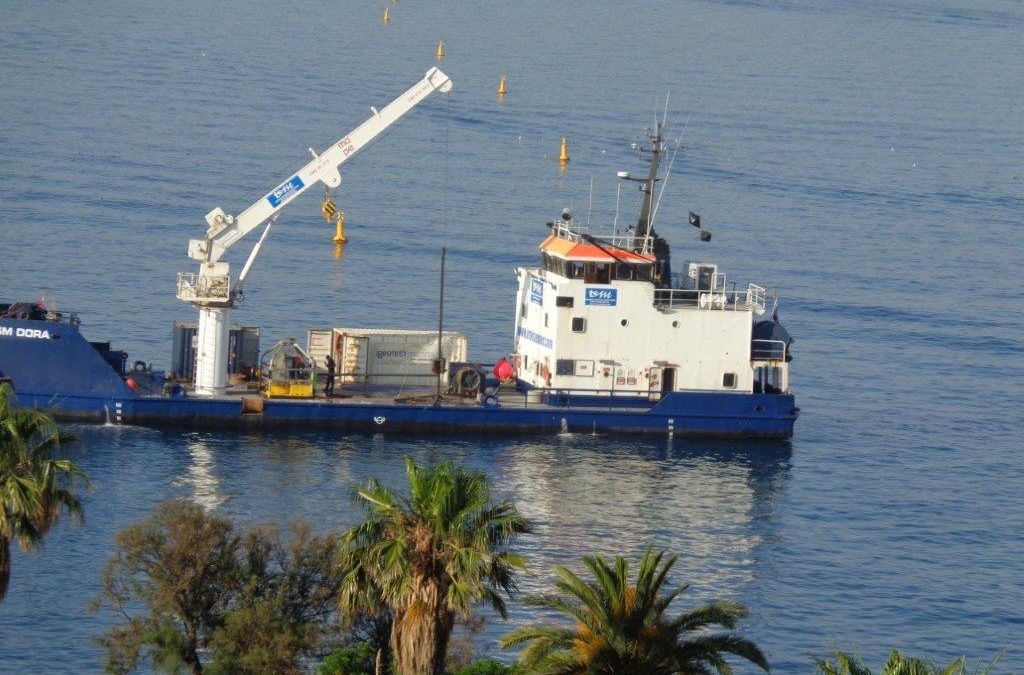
x=212 y=291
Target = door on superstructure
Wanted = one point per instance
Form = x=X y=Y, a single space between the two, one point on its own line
x=668 y=380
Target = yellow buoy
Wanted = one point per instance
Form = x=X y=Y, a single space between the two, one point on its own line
x=440 y=50
x=563 y=155
x=502 y=86
x=339 y=232
x=387 y=15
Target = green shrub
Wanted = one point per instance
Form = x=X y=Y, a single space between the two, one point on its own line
x=356 y=659
x=486 y=667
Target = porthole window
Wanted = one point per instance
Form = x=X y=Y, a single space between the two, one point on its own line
x=624 y=323
x=729 y=380
x=675 y=324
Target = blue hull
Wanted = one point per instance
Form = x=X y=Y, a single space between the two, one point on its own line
x=52 y=367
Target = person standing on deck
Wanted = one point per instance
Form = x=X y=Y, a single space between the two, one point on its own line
x=329 y=386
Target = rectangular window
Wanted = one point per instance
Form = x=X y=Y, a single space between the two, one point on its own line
x=563 y=301
x=522 y=310
x=579 y=324
x=545 y=319
x=729 y=380
x=565 y=367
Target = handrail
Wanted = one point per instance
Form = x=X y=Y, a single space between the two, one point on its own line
x=775 y=350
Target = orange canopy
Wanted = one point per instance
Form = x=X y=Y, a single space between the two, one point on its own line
x=571 y=250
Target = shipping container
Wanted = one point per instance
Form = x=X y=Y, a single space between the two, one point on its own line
x=243 y=350
x=385 y=357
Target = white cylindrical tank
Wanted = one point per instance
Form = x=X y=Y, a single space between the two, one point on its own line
x=212 y=351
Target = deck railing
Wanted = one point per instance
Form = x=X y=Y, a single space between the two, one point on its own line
x=753 y=298
x=767 y=350
x=200 y=287
x=581 y=234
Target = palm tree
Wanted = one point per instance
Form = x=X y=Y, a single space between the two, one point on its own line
x=430 y=555
x=622 y=628
x=35 y=488
x=899 y=664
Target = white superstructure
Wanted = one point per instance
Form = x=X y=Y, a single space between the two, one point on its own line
x=606 y=315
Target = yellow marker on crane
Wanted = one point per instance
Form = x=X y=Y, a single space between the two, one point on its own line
x=502 y=86
x=387 y=15
x=328 y=208
x=563 y=155
x=339 y=232
x=439 y=55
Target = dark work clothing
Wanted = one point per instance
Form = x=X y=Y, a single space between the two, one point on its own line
x=329 y=386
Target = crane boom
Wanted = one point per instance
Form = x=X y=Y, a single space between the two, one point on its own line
x=211 y=289
x=225 y=230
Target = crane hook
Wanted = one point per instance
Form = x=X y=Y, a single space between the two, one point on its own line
x=328 y=208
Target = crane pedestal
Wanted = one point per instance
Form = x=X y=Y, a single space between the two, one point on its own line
x=212 y=351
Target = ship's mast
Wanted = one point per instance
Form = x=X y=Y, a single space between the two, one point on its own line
x=644 y=226
x=646 y=238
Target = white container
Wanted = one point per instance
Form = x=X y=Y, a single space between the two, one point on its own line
x=386 y=357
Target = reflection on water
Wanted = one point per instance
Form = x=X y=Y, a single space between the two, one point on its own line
x=198 y=475
x=712 y=504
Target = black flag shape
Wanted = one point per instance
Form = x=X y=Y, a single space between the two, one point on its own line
x=705 y=235
x=694 y=219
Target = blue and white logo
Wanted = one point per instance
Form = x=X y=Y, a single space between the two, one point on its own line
x=537 y=290
x=608 y=297
x=285 y=190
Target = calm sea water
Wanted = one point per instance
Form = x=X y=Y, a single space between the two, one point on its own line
x=864 y=158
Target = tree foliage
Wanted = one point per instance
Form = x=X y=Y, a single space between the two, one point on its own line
x=355 y=659
x=35 y=487
x=843 y=663
x=190 y=587
x=430 y=555
x=622 y=627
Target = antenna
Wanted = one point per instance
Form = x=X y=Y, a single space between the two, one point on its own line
x=668 y=172
x=590 y=200
x=618 y=191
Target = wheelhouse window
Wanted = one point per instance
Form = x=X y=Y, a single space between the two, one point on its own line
x=564 y=301
x=597 y=273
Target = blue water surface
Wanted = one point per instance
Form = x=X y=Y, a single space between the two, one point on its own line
x=866 y=159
